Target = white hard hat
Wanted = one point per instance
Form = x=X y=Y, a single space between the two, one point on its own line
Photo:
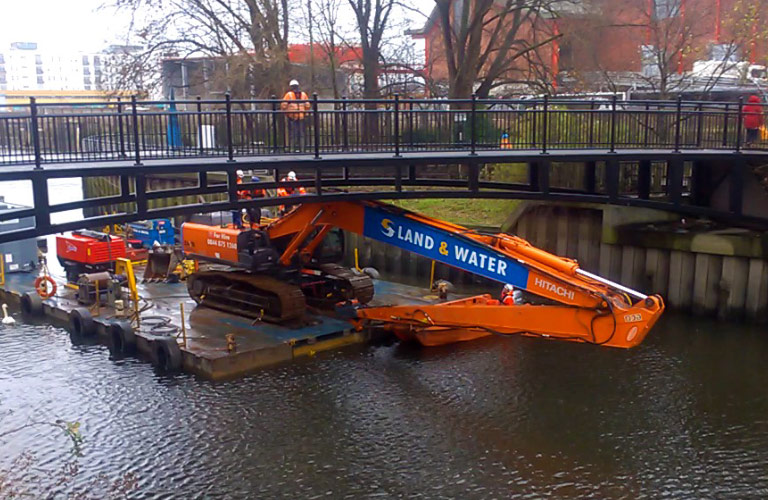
x=508 y=288
x=240 y=173
x=293 y=82
x=292 y=175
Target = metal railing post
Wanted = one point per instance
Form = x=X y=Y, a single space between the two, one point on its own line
x=230 y=146
x=678 y=122
x=200 y=125
x=647 y=124
x=120 y=131
x=699 y=125
x=545 y=125
x=726 y=118
x=35 y=132
x=397 y=125
x=273 y=97
x=316 y=122
x=613 y=124
x=135 y=116
x=739 y=125
x=473 y=126
x=410 y=123
x=344 y=124
x=592 y=124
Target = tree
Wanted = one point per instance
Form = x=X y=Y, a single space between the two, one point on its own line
x=372 y=18
x=251 y=34
x=485 y=40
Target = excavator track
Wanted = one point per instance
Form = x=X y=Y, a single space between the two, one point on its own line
x=250 y=295
x=359 y=287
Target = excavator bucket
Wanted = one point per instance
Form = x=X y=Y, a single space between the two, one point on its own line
x=162 y=263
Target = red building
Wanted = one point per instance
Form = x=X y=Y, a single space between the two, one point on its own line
x=621 y=40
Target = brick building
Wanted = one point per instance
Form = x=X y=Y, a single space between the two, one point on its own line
x=627 y=43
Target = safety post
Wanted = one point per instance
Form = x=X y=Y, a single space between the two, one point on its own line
x=357 y=261
x=432 y=275
x=2 y=270
x=183 y=326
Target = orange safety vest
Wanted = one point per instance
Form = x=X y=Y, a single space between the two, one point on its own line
x=508 y=300
x=296 y=110
x=243 y=194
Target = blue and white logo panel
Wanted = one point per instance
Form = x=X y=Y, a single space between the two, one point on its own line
x=443 y=247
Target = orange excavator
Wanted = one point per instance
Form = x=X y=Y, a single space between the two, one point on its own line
x=274 y=270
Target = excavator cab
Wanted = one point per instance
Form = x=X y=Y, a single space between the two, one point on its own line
x=331 y=250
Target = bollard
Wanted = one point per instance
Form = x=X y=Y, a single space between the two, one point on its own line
x=231 y=344
x=183 y=326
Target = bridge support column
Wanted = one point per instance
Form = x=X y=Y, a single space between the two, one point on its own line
x=644 y=180
x=701 y=183
x=736 y=187
x=473 y=177
x=41 y=203
x=141 y=194
x=544 y=168
x=612 y=179
x=675 y=180
x=533 y=175
x=125 y=187
x=590 y=177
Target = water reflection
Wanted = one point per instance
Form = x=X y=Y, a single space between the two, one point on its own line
x=684 y=414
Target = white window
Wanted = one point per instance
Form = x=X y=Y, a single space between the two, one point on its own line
x=649 y=58
x=724 y=52
x=664 y=9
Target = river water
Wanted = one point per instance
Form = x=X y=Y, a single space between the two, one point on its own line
x=683 y=415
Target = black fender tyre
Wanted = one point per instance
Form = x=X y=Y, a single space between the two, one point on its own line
x=81 y=322
x=31 y=304
x=166 y=354
x=122 y=339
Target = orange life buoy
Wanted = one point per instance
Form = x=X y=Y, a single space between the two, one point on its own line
x=45 y=287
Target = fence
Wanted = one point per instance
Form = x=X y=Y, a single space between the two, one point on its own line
x=37 y=134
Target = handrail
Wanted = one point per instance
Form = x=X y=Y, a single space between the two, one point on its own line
x=43 y=133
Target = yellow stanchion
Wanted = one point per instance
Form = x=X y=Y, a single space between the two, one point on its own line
x=432 y=275
x=357 y=261
x=183 y=326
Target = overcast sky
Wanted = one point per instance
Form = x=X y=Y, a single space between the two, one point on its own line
x=81 y=24
x=64 y=24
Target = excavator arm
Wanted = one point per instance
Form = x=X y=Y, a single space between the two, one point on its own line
x=590 y=308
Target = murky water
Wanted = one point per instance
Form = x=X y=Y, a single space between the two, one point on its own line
x=684 y=415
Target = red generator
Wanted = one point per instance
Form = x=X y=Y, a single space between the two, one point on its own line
x=88 y=252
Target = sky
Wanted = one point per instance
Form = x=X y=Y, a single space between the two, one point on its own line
x=79 y=25
x=61 y=24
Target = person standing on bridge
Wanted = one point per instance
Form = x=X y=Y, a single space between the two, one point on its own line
x=296 y=103
x=753 y=119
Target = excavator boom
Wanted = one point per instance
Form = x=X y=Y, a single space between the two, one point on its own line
x=589 y=308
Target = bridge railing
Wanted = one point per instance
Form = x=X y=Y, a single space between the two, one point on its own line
x=37 y=133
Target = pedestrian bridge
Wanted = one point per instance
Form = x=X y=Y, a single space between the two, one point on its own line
x=686 y=157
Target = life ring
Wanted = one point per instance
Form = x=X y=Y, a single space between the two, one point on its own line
x=45 y=287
